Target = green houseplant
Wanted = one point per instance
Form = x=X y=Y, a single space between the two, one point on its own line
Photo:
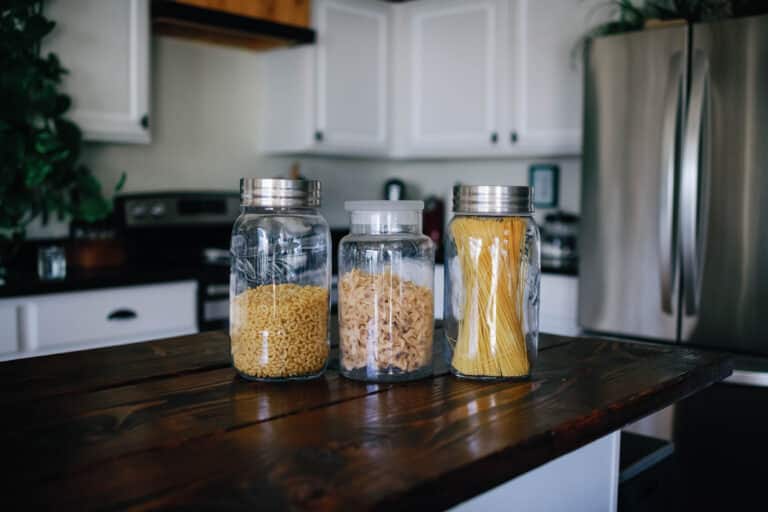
x=40 y=173
x=632 y=15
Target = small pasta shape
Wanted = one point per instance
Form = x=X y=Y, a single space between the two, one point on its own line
x=280 y=331
x=385 y=322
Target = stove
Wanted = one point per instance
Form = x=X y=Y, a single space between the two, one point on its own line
x=183 y=230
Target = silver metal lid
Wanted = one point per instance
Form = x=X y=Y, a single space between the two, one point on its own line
x=493 y=199
x=278 y=192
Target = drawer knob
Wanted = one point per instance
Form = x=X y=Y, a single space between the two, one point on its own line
x=122 y=314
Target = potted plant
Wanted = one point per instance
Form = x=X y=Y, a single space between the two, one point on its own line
x=632 y=15
x=40 y=173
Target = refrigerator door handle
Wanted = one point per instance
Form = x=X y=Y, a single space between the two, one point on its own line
x=693 y=185
x=667 y=245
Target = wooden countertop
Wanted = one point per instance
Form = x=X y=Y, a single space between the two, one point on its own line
x=168 y=424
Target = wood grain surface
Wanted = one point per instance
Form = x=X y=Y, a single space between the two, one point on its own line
x=168 y=424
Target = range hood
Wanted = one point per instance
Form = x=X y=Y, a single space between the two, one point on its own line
x=230 y=24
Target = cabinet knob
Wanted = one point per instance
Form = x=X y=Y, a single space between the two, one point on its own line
x=513 y=137
x=144 y=121
x=494 y=138
x=319 y=136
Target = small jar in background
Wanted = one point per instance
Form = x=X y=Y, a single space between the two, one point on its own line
x=386 y=305
x=279 y=281
x=491 y=316
x=51 y=263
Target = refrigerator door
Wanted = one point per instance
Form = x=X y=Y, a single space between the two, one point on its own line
x=634 y=106
x=724 y=208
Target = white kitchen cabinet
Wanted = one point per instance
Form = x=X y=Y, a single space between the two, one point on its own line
x=450 y=74
x=558 y=305
x=431 y=79
x=62 y=322
x=105 y=46
x=544 y=107
x=331 y=97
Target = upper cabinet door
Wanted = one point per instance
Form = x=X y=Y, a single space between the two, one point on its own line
x=105 y=46
x=545 y=77
x=454 y=76
x=352 y=75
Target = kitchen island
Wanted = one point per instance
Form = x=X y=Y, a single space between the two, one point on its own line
x=168 y=424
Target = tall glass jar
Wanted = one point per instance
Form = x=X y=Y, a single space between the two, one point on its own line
x=386 y=306
x=491 y=310
x=279 y=281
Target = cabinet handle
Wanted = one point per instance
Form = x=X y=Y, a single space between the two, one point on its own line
x=494 y=138
x=319 y=136
x=513 y=137
x=144 y=121
x=122 y=314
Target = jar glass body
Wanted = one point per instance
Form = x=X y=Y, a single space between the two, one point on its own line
x=386 y=305
x=279 y=293
x=491 y=307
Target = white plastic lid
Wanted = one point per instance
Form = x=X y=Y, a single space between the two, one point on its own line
x=385 y=216
x=383 y=205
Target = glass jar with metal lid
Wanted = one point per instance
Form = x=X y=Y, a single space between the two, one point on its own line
x=279 y=281
x=386 y=306
x=491 y=311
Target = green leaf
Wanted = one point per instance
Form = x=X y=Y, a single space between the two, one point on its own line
x=46 y=142
x=37 y=170
x=120 y=183
x=87 y=183
x=37 y=27
x=92 y=209
x=63 y=102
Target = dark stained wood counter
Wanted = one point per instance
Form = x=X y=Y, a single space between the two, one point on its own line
x=168 y=424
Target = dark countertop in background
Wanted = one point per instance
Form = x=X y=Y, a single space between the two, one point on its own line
x=23 y=282
x=570 y=269
x=168 y=424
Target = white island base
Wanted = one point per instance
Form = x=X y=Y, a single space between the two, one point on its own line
x=584 y=480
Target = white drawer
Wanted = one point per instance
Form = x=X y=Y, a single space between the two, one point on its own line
x=558 y=313
x=120 y=314
x=9 y=328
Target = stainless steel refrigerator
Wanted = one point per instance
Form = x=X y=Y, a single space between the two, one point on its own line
x=674 y=243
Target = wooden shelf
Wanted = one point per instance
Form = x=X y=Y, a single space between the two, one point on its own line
x=221 y=25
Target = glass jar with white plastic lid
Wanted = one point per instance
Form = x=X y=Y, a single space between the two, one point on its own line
x=279 y=281
x=491 y=310
x=386 y=274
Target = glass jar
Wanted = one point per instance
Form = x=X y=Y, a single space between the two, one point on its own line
x=386 y=306
x=491 y=311
x=279 y=281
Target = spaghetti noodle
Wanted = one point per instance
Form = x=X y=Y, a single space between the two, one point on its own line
x=491 y=332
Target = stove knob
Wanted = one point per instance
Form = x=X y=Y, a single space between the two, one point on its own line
x=138 y=211
x=157 y=210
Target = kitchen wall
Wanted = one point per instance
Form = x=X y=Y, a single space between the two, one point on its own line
x=363 y=179
x=204 y=111
x=203 y=122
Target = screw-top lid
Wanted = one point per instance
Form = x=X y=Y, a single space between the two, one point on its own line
x=279 y=192
x=493 y=199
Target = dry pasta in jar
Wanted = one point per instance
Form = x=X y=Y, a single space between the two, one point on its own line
x=492 y=283
x=386 y=305
x=280 y=280
x=280 y=331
